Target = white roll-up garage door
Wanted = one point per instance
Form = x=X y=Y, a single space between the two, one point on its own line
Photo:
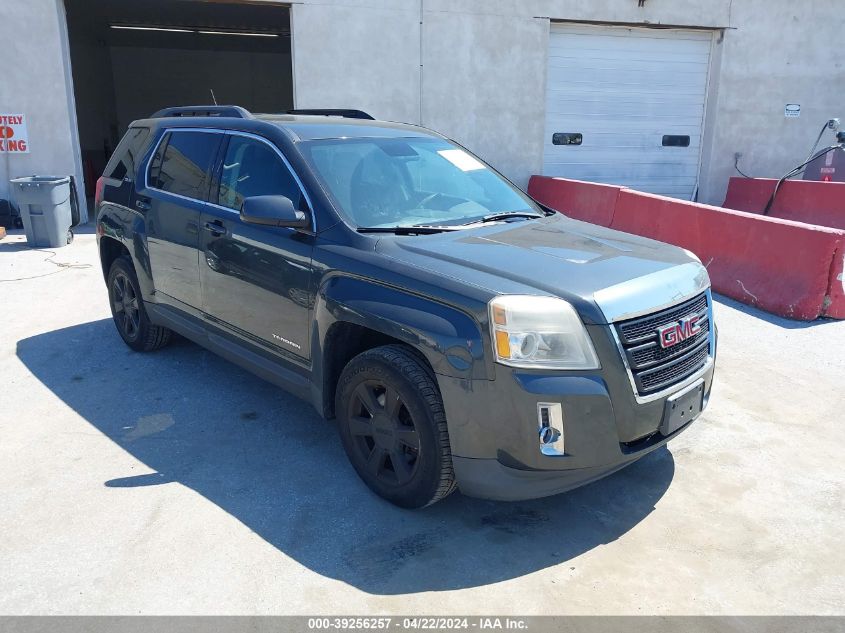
x=636 y=97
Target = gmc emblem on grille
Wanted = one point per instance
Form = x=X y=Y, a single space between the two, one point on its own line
x=674 y=333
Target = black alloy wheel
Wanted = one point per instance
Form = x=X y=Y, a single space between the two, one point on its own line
x=127 y=308
x=393 y=426
x=383 y=432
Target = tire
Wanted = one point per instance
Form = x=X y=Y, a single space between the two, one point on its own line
x=127 y=308
x=401 y=452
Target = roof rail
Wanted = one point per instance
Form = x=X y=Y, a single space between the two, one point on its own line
x=346 y=114
x=236 y=112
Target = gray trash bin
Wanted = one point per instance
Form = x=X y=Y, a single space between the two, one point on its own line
x=44 y=202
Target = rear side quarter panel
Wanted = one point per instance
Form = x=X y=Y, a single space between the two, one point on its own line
x=128 y=227
x=118 y=219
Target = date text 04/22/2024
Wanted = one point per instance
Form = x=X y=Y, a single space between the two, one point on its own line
x=416 y=623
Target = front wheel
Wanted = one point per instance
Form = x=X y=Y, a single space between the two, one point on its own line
x=393 y=427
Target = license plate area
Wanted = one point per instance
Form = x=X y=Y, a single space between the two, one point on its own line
x=682 y=408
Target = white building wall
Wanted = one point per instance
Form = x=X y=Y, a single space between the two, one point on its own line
x=475 y=70
x=35 y=81
x=483 y=62
x=484 y=86
x=776 y=52
x=483 y=71
x=361 y=55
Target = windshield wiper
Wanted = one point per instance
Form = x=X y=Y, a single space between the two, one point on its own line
x=493 y=217
x=406 y=230
x=429 y=229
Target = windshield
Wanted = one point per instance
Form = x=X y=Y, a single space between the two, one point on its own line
x=389 y=182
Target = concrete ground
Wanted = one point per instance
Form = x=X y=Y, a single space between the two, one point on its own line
x=176 y=483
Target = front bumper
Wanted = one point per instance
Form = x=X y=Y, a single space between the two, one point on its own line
x=490 y=479
x=493 y=426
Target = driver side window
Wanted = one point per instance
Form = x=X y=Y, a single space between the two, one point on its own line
x=252 y=168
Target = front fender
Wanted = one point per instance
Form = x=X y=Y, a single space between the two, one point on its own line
x=449 y=338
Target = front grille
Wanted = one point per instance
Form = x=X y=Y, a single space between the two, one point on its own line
x=644 y=328
x=645 y=355
x=667 y=375
x=654 y=368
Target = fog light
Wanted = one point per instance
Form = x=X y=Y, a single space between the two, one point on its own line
x=550 y=423
x=548 y=435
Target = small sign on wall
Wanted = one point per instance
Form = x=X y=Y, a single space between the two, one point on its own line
x=792 y=110
x=14 y=138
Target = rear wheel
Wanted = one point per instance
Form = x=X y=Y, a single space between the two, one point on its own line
x=127 y=308
x=393 y=427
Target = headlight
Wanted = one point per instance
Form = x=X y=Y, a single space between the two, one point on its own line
x=539 y=332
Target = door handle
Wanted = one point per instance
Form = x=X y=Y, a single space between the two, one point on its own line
x=143 y=205
x=567 y=138
x=215 y=228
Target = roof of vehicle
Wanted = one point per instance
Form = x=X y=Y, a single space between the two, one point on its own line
x=311 y=127
x=299 y=125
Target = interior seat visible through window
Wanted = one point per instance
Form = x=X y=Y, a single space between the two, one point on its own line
x=252 y=168
x=182 y=162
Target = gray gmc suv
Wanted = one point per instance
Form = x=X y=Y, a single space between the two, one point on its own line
x=461 y=335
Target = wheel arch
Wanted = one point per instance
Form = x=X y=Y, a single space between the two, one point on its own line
x=110 y=249
x=353 y=315
x=122 y=232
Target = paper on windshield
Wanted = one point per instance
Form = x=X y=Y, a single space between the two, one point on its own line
x=460 y=159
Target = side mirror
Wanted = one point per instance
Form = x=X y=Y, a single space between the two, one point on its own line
x=272 y=211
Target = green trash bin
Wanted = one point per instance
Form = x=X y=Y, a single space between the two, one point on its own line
x=45 y=207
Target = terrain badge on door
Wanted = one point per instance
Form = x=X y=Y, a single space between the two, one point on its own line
x=286 y=342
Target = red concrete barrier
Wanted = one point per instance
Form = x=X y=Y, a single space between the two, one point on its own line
x=788 y=268
x=836 y=293
x=778 y=265
x=811 y=202
x=660 y=218
x=589 y=201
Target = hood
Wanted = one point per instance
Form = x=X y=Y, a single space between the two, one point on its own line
x=607 y=275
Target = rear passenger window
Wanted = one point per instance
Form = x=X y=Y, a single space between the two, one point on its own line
x=253 y=168
x=122 y=163
x=182 y=163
